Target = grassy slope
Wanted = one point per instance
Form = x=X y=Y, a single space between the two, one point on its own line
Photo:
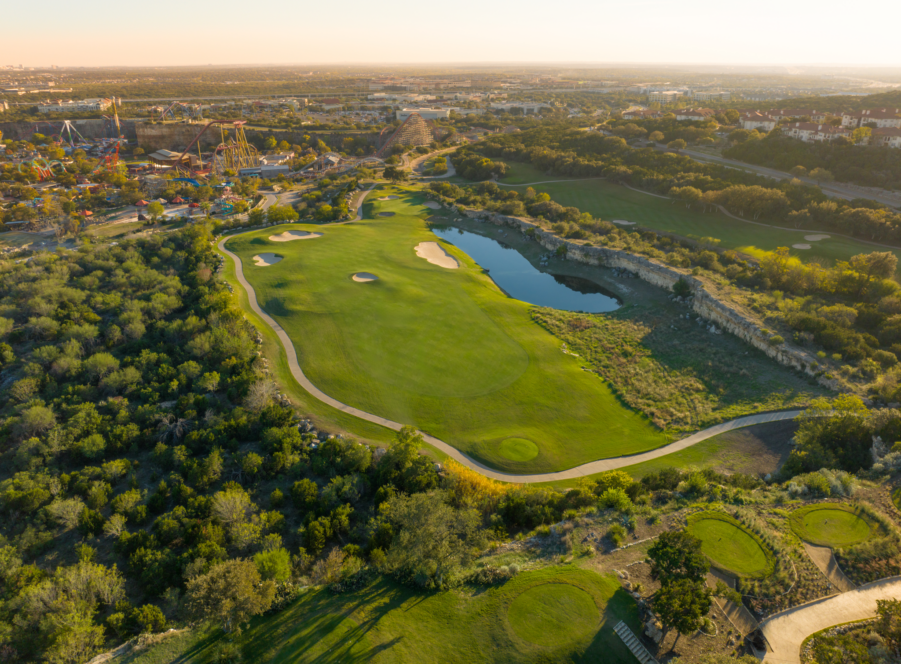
x=445 y=350
x=729 y=546
x=609 y=201
x=829 y=525
x=389 y=623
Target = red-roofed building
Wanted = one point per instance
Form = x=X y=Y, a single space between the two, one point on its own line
x=752 y=120
x=886 y=137
x=883 y=118
x=811 y=132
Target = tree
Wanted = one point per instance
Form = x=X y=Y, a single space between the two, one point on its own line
x=433 y=537
x=232 y=506
x=821 y=175
x=682 y=605
x=231 y=593
x=155 y=210
x=274 y=565
x=656 y=136
x=678 y=144
x=798 y=171
x=394 y=174
x=676 y=556
x=861 y=135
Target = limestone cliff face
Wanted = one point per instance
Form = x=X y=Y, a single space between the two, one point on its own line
x=703 y=303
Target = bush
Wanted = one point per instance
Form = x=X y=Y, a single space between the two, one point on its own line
x=617 y=534
x=617 y=499
x=682 y=288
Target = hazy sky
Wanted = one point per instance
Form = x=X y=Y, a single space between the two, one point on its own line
x=176 y=32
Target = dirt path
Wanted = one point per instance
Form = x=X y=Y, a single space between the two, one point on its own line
x=786 y=631
x=822 y=557
x=573 y=473
x=737 y=614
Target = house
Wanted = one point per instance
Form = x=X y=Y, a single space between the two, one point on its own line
x=886 y=137
x=641 y=114
x=811 y=132
x=752 y=120
x=883 y=118
x=695 y=114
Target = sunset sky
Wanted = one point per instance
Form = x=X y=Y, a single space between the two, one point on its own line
x=170 y=32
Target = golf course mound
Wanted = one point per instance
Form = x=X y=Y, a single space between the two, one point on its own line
x=518 y=449
x=435 y=254
x=730 y=546
x=432 y=205
x=365 y=277
x=265 y=260
x=553 y=613
x=386 y=214
x=289 y=236
x=831 y=524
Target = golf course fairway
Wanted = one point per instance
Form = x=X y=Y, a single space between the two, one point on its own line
x=442 y=349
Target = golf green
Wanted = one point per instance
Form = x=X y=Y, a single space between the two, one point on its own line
x=442 y=349
x=729 y=546
x=830 y=525
x=552 y=614
x=518 y=449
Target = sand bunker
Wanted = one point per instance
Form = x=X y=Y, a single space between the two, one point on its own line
x=265 y=260
x=364 y=277
x=621 y=222
x=386 y=214
x=816 y=238
x=388 y=198
x=435 y=254
x=288 y=236
x=801 y=246
x=432 y=205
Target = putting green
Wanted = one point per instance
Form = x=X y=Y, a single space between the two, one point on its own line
x=729 y=546
x=830 y=525
x=444 y=350
x=552 y=614
x=518 y=449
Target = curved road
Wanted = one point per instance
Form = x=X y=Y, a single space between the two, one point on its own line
x=573 y=473
x=785 y=632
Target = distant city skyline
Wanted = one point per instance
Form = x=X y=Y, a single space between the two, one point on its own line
x=168 y=33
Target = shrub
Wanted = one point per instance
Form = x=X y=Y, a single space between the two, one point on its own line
x=617 y=534
x=617 y=499
x=681 y=288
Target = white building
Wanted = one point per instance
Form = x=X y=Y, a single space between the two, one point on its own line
x=887 y=137
x=425 y=113
x=704 y=95
x=812 y=132
x=883 y=118
x=665 y=97
x=756 y=120
x=60 y=106
x=527 y=107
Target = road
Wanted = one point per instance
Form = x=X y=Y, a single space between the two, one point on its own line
x=845 y=191
x=785 y=632
x=590 y=468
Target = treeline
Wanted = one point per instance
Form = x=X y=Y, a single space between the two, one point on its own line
x=561 y=151
x=869 y=166
x=667 y=129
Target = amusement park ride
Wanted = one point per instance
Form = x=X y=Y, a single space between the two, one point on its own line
x=232 y=154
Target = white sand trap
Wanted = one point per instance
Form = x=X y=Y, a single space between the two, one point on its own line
x=389 y=198
x=386 y=214
x=816 y=238
x=288 y=236
x=801 y=246
x=432 y=205
x=265 y=260
x=364 y=277
x=435 y=254
x=622 y=222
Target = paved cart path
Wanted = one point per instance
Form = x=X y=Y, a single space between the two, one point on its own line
x=579 y=471
x=785 y=632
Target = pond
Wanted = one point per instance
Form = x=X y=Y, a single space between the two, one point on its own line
x=521 y=280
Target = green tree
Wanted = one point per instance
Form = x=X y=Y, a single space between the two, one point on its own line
x=676 y=556
x=682 y=605
x=861 y=135
x=798 y=171
x=231 y=593
x=678 y=144
x=274 y=565
x=656 y=136
x=821 y=175
x=394 y=174
x=433 y=538
x=155 y=210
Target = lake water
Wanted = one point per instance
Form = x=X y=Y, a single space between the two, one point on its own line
x=521 y=280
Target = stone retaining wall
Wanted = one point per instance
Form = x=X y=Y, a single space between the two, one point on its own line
x=702 y=302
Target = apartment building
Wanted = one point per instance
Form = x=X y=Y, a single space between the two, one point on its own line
x=883 y=118
x=756 y=120
x=812 y=132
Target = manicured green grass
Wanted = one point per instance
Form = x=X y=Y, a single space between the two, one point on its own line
x=444 y=350
x=896 y=498
x=555 y=614
x=831 y=525
x=518 y=449
x=729 y=546
x=610 y=201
